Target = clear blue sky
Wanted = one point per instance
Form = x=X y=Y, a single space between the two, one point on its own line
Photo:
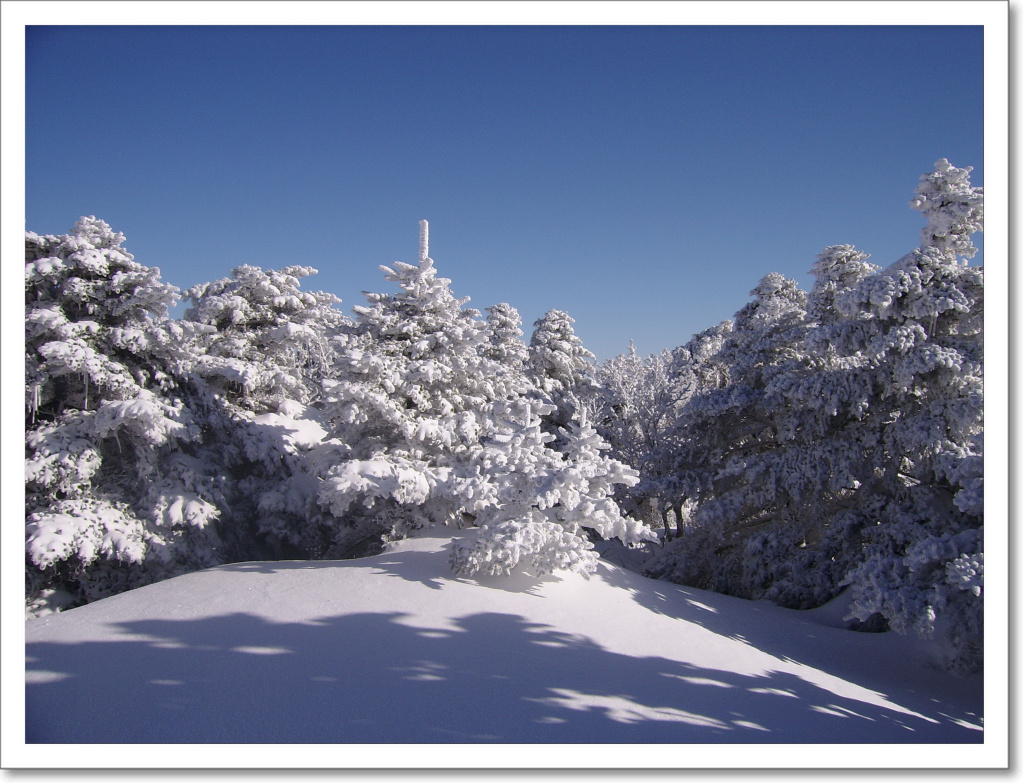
x=643 y=179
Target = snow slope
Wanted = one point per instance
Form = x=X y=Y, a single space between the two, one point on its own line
x=391 y=649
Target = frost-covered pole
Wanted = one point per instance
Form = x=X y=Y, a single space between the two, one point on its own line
x=424 y=240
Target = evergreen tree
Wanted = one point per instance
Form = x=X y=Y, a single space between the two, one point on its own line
x=112 y=500
x=638 y=402
x=541 y=503
x=728 y=460
x=423 y=419
x=271 y=341
x=268 y=350
x=561 y=367
x=924 y=351
x=405 y=406
x=505 y=344
x=845 y=443
x=558 y=363
x=953 y=209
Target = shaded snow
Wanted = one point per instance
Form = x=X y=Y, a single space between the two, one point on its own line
x=391 y=649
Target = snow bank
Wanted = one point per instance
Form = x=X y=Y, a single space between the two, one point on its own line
x=388 y=650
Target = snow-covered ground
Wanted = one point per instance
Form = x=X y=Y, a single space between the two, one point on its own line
x=390 y=649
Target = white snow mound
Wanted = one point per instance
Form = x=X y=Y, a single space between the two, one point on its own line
x=392 y=649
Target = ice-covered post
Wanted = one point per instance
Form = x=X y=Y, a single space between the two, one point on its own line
x=424 y=240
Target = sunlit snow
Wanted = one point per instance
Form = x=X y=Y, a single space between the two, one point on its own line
x=393 y=649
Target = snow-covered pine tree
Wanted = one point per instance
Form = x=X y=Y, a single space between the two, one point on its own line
x=728 y=435
x=429 y=428
x=410 y=384
x=855 y=437
x=560 y=366
x=505 y=337
x=537 y=503
x=954 y=210
x=268 y=350
x=838 y=269
x=559 y=363
x=924 y=349
x=272 y=341
x=112 y=501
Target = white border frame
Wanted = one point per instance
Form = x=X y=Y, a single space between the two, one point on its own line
x=994 y=753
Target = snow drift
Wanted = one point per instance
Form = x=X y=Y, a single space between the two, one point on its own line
x=394 y=649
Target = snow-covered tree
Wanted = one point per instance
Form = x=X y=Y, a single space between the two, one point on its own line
x=410 y=384
x=638 y=401
x=427 y=426
x=540 y=502
x=559 y=363
x=737 y=422
x=728 y=462
x=561 y=367
x=952 y=207
x=838 y=269
x=846 y=441
x=924 y=351
x=505 y=337
x=268 y=350
x=271 y=342
x=112 y=500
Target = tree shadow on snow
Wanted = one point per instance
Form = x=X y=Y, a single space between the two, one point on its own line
x=412 y=566
x=792 y=636
x=371 y=678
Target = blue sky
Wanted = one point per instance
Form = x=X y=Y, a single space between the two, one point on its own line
x=643 y=179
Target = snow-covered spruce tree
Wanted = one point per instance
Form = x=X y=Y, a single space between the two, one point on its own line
x=860 y=444
x=269 y=347
x=822 y=441
x=534 y=505
x=560 y=366
x=728 y=437
x=272 y=341
x=769 y=451
x=923 y=346
x=409 y=388
x=111 y=500
x=891 y=404
x=838 y=269
x=428 y=428
x=685 y=478
x=505 y=337
x=953 y=209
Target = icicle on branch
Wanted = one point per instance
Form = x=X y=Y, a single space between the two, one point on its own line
x=424 y=240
